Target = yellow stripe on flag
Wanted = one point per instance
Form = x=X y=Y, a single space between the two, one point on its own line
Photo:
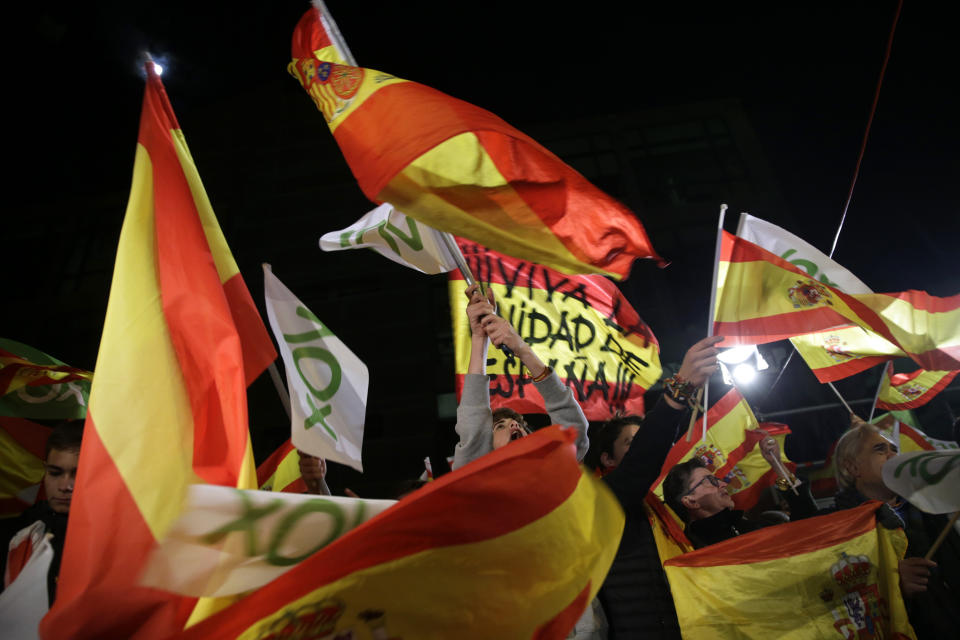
x=21 y=468
x=127 y=391
x=479 y=574
x=848 y=589
x=457 y=181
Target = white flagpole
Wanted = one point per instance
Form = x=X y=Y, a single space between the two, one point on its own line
x=876 y=396
x=830 y=384
x=711 y=311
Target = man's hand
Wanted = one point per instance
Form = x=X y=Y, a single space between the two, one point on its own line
x=502 y=332
x=478 y=308
x=700 y=361
x=914 y=575
x=313 y=470
x=769 y=448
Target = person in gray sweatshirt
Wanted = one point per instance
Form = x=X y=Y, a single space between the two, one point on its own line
x=482 y=430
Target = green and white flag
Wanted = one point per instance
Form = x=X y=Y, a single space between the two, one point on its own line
x=397 y=237
x=228 y=541
x=56 y=401
x=799 y=252
x=926 y=479
x=327 y=382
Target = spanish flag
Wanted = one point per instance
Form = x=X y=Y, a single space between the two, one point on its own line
x=478 y=553
x=281 y=471
x=22 y=449
x=832 y=576
x=181 y=341
x=461 y=169
x=763 y=298
x=580 y=325
x=730 y=450
x=899 y=391
x=843 y=351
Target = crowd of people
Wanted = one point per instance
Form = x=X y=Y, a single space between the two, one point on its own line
x=628 y=453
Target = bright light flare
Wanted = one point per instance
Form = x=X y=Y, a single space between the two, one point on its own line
x=158 y=68
x=744 y=373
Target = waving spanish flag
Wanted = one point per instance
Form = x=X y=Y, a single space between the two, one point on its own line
x=467 y=556
x=730 y=450
x=843 y=351
x=22 y=449
x=461 y=169
x=832 y=576
x=763 y=298
x=900 y=391
x=181 y=341
x=281 y=471
x=581 y=325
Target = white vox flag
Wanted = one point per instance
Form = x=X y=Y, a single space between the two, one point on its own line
x=926 y=479
x=800 y=253
x=229 y=541
x=393 y=235
x=24 y=603
x=328 y=383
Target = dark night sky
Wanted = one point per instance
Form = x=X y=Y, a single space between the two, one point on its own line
x=804 y=72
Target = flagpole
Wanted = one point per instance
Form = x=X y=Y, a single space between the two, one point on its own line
x=281 y=390
x=876 y=396
x=830 y=384
x=711 y=311
x=326 y=19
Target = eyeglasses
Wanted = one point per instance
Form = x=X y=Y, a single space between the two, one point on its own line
x=712 y=479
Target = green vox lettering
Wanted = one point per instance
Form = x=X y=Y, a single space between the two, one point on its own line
x=274 y=556
x=318 y=415
x=809 y=267
x=920 y=466
x=385 y=229
x=246 y=523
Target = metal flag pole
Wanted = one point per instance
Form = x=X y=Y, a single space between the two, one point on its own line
x=281 y=390
x=876 y=396
x=328 y=23
x=830 y=384
x=711 y=312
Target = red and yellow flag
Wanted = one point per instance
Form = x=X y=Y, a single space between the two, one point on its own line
x=900 y=391
x=181 y=341
x=467 y=556
x=22 y=448
x=912 y=439
x=461 y=169
x=281 y=471
x=763 y=298
x=730 y=450
x=843 y=351
x=17 y=372
x=832 y=576
x=581 y=326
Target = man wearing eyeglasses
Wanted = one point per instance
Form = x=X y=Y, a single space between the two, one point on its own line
x=702 y=501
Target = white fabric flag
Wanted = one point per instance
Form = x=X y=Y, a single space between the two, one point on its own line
x=327 y=382
x=229 y=541
x=800 y=253
x=926 y=479
x=24 y=603
x=393 y=235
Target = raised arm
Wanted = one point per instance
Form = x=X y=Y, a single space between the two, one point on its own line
x=640 y=466
x=474 y=418
x=558 y=398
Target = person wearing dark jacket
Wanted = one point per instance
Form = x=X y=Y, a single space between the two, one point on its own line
x=701 y=501
x=635 y=595
x=931 y=589
x=62 y=455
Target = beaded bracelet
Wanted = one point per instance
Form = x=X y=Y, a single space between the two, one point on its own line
x=543 y=375
x=679 y=389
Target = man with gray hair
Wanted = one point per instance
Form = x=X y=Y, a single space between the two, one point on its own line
x=931 y=589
